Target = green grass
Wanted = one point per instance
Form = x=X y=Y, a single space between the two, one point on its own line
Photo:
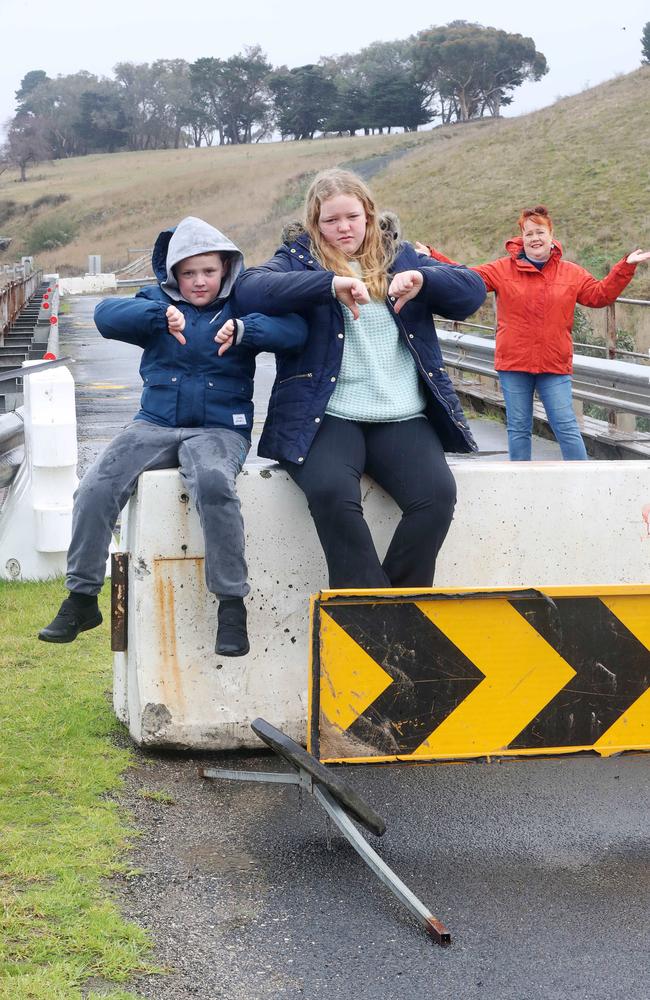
x=154 y=796
x=62 y=834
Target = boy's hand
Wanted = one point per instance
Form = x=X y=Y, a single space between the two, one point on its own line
x=405 y=286
x=225 y=336
x=352 y=292
x=422 y=248
x=176 y=323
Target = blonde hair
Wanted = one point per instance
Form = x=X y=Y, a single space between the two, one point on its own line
x=376 y=253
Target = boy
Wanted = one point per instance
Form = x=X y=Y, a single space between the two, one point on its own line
x=196 y=412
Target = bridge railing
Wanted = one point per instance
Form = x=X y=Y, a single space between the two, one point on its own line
x=13 y=297
x=620 y=388
x=609 y=349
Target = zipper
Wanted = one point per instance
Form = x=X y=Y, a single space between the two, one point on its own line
x=292 y=377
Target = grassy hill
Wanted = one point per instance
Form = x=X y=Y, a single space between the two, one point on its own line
x=110 y=203
x=586 y=157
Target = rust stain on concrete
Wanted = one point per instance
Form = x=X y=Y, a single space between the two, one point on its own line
x=165 y=620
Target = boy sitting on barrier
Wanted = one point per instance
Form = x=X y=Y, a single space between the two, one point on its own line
x=196 y=412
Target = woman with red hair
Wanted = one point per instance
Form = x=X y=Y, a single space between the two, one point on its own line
x=536 y=292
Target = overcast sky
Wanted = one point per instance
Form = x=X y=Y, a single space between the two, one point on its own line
x=584 y=44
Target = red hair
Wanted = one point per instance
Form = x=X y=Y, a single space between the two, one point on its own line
x=539 y=214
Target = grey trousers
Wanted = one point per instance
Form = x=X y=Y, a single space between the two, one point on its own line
x=210 y=458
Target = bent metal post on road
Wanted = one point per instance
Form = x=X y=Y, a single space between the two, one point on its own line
x=342 y=804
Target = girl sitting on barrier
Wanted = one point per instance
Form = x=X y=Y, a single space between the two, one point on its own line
x=536 y=292
x=368 y=391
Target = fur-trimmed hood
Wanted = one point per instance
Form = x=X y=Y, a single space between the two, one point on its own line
x=388 y=223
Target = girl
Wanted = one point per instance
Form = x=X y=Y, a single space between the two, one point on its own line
x=368 y=392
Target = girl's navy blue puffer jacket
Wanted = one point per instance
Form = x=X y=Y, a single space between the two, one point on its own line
x=294 y=281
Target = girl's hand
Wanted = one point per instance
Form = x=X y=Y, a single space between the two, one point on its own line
x=421 y=248
x=176 y=323
x=405 y=286
x=351 y=292
x=225 y=336
x=638 y=256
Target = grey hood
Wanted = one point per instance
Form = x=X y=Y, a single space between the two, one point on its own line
x=190 y=237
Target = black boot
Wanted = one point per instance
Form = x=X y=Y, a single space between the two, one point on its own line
x=232 y=638
x=78 y=613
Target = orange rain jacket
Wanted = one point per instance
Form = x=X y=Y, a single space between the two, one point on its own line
x=535 y=307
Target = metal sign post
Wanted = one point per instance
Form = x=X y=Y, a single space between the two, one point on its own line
x=340 y=803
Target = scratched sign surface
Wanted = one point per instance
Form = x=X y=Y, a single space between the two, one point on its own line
x=405 y=675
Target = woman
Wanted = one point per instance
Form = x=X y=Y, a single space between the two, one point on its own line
x=368 y=393
x=536 y=294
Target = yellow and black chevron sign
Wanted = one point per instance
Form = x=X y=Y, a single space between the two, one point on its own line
x=412 y=675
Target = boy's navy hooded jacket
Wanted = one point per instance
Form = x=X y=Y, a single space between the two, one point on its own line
x=294 y=280
x=189 y=385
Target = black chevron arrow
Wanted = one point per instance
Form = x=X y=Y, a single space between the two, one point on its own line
x=612 y=671
x=431 y=676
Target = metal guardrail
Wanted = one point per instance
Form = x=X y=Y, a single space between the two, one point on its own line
x=12 y=445
x=136 y=265
x=13 y=297
x=610 y=348
x=622 y=388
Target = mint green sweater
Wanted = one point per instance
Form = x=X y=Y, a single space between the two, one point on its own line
x=378 y=380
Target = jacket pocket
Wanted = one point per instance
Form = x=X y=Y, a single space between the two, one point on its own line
x=293 y=404
x=160 y=398
x=228 y=402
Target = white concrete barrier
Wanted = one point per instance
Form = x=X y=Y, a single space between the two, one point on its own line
x=89 y=284
x=516 y=524
x=36 y=518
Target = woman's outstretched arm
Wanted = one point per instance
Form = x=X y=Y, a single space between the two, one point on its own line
x=596 y=294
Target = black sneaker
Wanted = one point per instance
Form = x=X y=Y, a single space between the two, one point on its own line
x=232 y=637
x=73 y=617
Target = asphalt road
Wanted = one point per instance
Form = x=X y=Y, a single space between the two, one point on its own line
x=540 y=868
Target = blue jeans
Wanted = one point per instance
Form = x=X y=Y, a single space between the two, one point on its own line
x=555 y=393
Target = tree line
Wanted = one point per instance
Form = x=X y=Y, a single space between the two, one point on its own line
x=456 y=72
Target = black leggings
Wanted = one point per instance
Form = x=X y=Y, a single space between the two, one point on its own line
x=406 y=459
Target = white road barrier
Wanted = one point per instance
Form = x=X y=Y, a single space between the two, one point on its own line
x=89 y=284
x=517 y=524
x=36 y=518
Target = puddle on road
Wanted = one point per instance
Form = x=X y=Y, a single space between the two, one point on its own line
x=212 y=859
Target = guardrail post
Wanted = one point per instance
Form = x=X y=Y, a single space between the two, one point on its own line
x=610 y=337
x=611 y=330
